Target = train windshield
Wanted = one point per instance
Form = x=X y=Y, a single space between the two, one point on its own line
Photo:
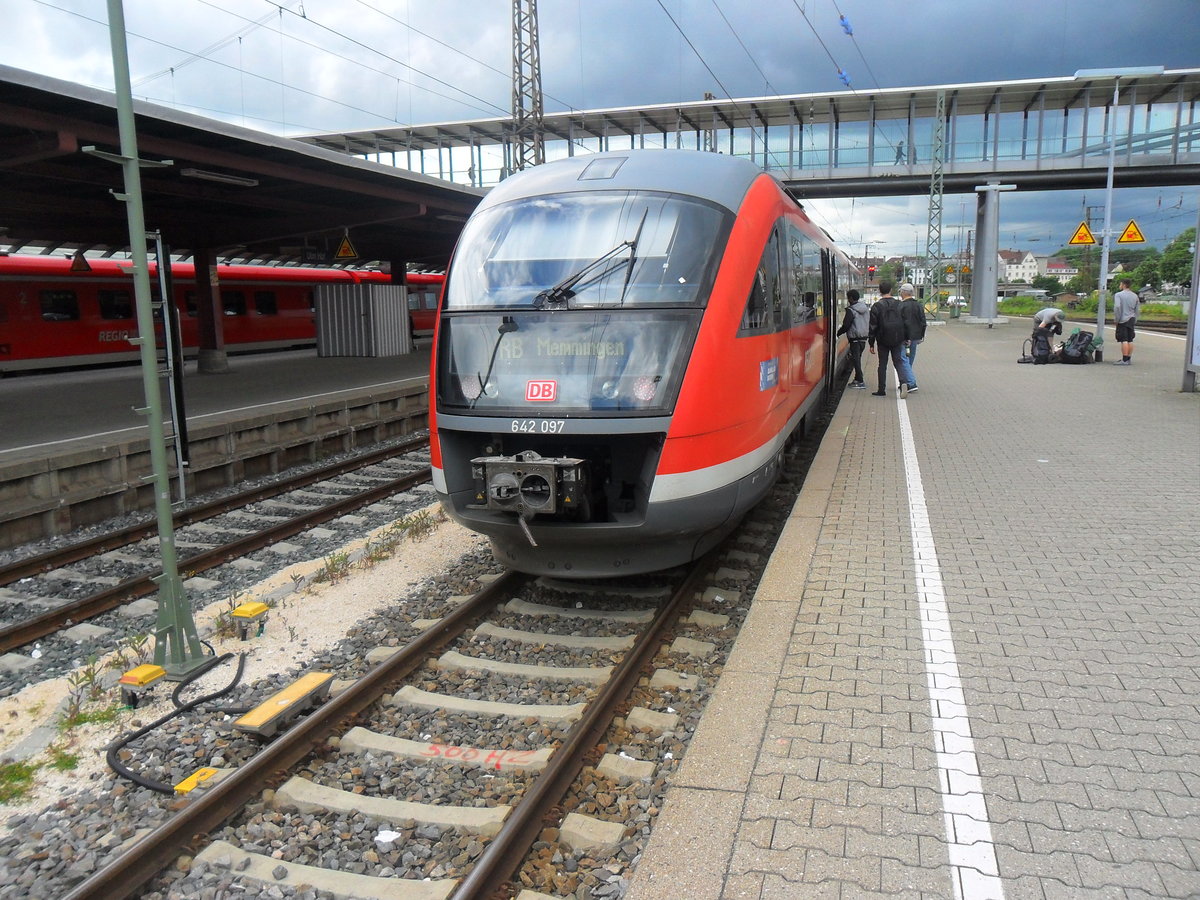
x=566 y=361
x=633 y=248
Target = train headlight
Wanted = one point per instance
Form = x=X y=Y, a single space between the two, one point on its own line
x=610 y=389
x=645 y=387
x=470 y=386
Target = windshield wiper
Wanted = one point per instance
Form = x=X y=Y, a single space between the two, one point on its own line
x=507 y=326
x=562 y=292
x=633 y=245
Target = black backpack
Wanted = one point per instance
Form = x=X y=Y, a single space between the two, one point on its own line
x=1078 y=348
x=891 y=325
x=1040 y=346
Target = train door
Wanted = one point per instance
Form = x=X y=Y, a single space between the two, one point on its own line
x=802 y=265
x=830 y=294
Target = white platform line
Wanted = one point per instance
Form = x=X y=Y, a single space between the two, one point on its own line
x=973 y=867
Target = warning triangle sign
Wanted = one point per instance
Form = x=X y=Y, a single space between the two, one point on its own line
x=345 y=250
x=1082 y=235
x=1132 y=234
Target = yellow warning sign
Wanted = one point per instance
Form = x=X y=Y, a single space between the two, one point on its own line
x=1132 y=234
x=345 y=250
x=1082 y=235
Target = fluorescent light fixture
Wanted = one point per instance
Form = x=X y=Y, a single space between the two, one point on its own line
x=219 y=177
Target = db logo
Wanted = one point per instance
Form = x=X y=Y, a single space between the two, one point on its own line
x=541 y=390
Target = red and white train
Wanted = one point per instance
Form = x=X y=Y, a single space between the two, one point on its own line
x=626 y=343
x=53 y=317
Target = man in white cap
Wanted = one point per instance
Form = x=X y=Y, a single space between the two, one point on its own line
x=913 y=315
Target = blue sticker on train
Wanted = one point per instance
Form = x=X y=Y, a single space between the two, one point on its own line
x=768 y=374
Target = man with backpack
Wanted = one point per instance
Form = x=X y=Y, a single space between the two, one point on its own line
x=886 y=328
x=913 y=314
x=855 y=326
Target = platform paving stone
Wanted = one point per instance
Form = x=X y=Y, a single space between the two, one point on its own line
x=1076 y=632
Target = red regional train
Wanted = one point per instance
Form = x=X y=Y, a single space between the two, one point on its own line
x=52 y=317
x=626 y=343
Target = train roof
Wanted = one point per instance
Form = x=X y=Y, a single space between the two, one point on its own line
x=61 y=267
x=720 y=179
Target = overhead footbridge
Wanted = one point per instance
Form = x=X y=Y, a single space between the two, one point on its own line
x=1042 y=133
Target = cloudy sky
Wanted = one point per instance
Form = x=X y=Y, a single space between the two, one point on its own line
x=304 y=66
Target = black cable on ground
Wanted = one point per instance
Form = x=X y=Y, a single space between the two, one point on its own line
x=116 y=746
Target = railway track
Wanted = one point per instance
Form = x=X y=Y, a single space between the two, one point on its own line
x=583 y=789
x=518 y=738
x=124 y=562
x=612 y=636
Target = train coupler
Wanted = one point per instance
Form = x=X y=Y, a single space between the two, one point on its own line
x=530 y=484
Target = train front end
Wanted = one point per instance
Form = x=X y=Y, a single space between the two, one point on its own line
x=568 y=320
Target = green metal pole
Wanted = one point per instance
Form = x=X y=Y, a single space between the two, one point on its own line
x=177 y=646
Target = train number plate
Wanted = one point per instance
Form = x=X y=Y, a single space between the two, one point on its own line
x=539 y=426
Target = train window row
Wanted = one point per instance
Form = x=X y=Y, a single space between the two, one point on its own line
x=63 y=305
x=788 y=289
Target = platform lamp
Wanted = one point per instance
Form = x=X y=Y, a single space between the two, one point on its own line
x=1110 y=138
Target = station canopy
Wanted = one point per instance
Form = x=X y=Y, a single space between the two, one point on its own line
x=245 y=195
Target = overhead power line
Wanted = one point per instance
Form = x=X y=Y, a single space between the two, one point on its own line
x=720 y=84
x=190 y=56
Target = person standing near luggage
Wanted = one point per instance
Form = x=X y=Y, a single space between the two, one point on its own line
x=1050 y=319
x=856 y=326
x=887 y=330
x=1125 y=308
x=913 y=314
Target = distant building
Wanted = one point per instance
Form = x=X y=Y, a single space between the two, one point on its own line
x=1017 y=266
x=1057 y=267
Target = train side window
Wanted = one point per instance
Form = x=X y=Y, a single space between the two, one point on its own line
x=265 y=303
x=233 y=302
x=115 y=304
x=804 y=269
x=60 y=306
x=764 y=301
x=190 y=303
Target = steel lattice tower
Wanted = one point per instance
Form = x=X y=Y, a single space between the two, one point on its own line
x=528 y=145
x=933 y=238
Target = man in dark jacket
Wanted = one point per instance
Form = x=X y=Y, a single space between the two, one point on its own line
x=913 y=314
x=856 y=326
x=887 y=330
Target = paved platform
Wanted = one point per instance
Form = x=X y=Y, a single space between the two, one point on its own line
x=60 y=412
x=972 y=667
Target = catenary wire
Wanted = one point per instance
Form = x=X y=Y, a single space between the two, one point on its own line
x=749 y=119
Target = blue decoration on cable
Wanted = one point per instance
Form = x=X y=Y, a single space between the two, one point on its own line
x=845 y=23
x=844 y=77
